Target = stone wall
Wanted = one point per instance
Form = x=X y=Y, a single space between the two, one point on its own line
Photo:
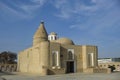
x=8 y=67
x=107 y=64
x=97 y=70
x=56 y=71
x=102 y=70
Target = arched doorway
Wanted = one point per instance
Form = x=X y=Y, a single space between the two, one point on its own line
x=70 y=67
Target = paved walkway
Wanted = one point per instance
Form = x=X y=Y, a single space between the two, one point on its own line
x=75 y=76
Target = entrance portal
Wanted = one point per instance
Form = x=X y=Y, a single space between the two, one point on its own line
x=70 y=66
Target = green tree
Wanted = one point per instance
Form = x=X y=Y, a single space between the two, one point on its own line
x=8 y=57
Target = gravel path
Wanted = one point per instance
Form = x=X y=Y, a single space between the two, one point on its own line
x=75 y=76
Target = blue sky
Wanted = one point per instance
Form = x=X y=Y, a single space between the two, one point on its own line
x=91 y=22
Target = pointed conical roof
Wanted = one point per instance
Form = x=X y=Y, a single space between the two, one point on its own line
x=41 y=32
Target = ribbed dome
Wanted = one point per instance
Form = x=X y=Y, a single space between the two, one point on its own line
x=65 y=41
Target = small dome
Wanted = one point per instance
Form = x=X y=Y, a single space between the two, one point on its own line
x=53 y=33
x=65 y=41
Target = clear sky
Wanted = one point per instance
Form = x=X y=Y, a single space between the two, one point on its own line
x=91 y=22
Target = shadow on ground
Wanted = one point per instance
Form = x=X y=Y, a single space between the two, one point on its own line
x=6 y=73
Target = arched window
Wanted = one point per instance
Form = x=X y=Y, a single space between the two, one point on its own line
x=51 y=37
x=55 y=61
x=70 y=55
x=91 y=59
x=54 y=57
x=55 y=38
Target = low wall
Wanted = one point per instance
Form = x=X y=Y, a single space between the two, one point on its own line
x=102 y=70
x=8 y=67
x=56 y=71
x=97 y=70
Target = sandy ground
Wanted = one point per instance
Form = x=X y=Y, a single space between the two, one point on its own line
x=75 y=76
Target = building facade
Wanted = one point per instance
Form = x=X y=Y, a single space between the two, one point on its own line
x=52 y=55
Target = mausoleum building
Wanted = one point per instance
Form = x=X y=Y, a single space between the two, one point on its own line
x=53 y=55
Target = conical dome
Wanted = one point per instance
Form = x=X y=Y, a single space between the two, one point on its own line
x=40 y=34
